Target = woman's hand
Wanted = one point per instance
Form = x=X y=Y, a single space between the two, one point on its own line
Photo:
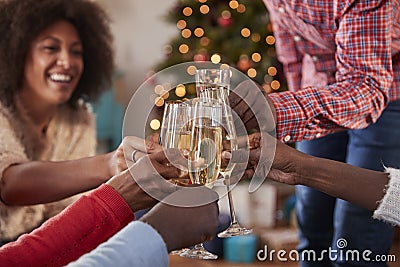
x=131 y=149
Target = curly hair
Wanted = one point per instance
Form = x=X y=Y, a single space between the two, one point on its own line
x=21 y=21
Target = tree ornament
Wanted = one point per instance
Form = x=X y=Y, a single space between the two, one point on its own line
x=225 y=22
x=244 y=64
x=201 y=57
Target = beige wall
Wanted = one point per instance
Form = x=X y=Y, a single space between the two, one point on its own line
x=140 y=35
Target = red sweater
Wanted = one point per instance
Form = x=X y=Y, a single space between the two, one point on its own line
x=80 y=228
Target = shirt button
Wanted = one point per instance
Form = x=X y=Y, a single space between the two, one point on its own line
x=287 y=138
x=281 y=10
x=314 y=58
x=297 y=38
x=318 y=135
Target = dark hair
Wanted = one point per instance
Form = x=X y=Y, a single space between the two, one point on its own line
x=21 y=21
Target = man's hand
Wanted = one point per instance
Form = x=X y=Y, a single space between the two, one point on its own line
x=281 y=163
x=185 y=225
x=144 y=184
x=253 y=106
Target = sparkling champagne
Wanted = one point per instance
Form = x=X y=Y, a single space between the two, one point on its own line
x=179 y=140
x=205 y=155
x=220 y=93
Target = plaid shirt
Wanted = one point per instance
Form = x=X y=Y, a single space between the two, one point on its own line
x=342 y=63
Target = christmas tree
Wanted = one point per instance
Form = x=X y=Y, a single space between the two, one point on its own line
x=233 y=32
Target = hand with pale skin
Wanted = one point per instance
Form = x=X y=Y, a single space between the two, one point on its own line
x=293 y=167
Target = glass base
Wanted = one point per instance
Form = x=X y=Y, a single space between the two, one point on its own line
x=198 y=252
x=179 y=251
x=235 y=230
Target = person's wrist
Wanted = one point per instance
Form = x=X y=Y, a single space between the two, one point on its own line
x=162 y=228
x=124 y=185
x=305 y=169
x=109 y=164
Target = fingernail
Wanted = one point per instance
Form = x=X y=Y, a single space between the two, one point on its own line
x=227 y=155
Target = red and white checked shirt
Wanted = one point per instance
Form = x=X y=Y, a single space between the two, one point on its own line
x=341 y=60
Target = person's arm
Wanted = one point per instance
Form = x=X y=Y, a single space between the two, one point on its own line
x=363 y=78
x=357 y=185
x=38 y=182
x=163 y=229
x=138 y=244
x=88 y=222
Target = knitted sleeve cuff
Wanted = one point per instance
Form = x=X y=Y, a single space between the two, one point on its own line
x=389 y=207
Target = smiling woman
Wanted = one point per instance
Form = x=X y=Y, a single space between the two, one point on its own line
x=53 y=68
x=53 y=54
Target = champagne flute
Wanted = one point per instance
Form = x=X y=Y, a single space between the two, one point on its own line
x=175 y=133
x=213 y=84
x=205 y=156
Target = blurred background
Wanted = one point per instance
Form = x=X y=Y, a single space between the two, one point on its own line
x=153 y=35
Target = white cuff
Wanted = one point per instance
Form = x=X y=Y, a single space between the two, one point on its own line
x=389 y=207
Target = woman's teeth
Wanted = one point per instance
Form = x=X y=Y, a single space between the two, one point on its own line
x=58 y=77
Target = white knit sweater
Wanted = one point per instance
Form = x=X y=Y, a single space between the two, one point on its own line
x=389 y=206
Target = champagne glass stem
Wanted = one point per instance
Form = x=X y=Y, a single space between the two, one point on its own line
x=231 y=205
x=234 y=229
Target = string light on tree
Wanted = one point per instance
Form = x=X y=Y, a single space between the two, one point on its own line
x=191 y=70
x=204 y=9
x=186 y=33
x=215 y=58
x=233 y=4
x=245 y=32
x=187 y=11
x=183 y=48
x=256 y=57
x=272 y=71
x=255 y=37
x=270 y=40
x=204 y=41
x=251 y=73
x=180 y=90
x=155 y=124
x=198 y=32
x=275 y=85
x=159 y=102
x=241 y=8
x=181 y=24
